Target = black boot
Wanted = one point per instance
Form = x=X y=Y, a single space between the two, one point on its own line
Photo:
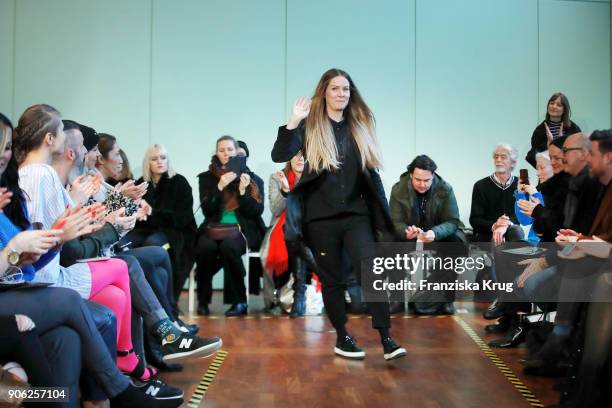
x=298 y=308
x=515 y=336
x=502 y=325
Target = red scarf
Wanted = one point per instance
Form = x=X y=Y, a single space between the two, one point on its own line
x=278 y=258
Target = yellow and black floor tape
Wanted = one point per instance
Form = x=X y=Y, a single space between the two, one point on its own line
x=209 y=376
x=361 y=316
x=501 y=366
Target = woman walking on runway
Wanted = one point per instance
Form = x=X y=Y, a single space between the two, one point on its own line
x=339 y=205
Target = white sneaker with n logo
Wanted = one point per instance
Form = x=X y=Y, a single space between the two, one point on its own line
x=189 y=346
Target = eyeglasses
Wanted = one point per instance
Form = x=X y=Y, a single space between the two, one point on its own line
x=569 y=149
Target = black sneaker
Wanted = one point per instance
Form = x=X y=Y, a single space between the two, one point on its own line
x=392 y=350
x=348 y=348
x=159 y=390
x=189 y=346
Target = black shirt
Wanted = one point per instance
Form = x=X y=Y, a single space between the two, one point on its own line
x=338 y=192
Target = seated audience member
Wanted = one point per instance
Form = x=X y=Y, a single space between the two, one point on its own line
x=548 y=220
x=109 y=165
x=492 y=214
x=232 y=205
x=275 y=257
x=423 y=206
x=556 y=124
x=171 y=221
x=529 y=193
x=126 y=170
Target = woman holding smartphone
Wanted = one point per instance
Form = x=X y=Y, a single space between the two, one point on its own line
x=339 y=205
x=232 y=205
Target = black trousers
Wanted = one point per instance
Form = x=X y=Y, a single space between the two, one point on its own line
x=210 y=256
x=329 y=240
x=50 y=308
x=27 y=350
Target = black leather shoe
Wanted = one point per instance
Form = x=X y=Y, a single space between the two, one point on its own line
x=502 y=325
x=514 y=337
x=203 y=310
x=495 y=311
x=239 y=309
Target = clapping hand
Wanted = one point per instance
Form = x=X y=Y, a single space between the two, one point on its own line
x=283 y=180
x=411 y=232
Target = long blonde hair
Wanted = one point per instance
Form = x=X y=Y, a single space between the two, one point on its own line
x=146 y=165
x=321 y=150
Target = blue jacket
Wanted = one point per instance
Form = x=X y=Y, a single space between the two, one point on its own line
x=525 y=219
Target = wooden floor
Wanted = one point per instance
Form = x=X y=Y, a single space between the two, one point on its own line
x=278 y=362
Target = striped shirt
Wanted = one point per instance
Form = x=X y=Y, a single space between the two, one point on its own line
x=555 y=128
x=47 y=199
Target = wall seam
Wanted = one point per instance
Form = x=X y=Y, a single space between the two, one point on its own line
x=414 y=96
x=286 y=61
x=538 y=64
x=152 y=7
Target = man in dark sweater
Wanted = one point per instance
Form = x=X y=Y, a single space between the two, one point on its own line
x=492 y=215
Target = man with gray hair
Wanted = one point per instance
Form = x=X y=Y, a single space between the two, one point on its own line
x=492 y=216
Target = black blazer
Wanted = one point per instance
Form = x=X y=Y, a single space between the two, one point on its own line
x=539 y=140
x=287 y=144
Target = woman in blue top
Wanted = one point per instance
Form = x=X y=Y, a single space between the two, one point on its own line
x=544 y=171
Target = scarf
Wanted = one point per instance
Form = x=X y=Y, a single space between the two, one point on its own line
x=278 y=258
x=230 y=192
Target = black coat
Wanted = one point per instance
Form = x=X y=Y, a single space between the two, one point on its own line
x=172 y=203
x=287 y=144
x=539 y=140
x=248 y=213
x=548 y=219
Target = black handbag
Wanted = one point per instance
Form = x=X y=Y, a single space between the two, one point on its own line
x=220 y=232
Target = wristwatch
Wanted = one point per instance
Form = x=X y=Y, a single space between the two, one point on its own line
x=13 y=257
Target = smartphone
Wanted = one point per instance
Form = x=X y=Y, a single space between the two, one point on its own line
x=524 y=176
x=237 y=164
